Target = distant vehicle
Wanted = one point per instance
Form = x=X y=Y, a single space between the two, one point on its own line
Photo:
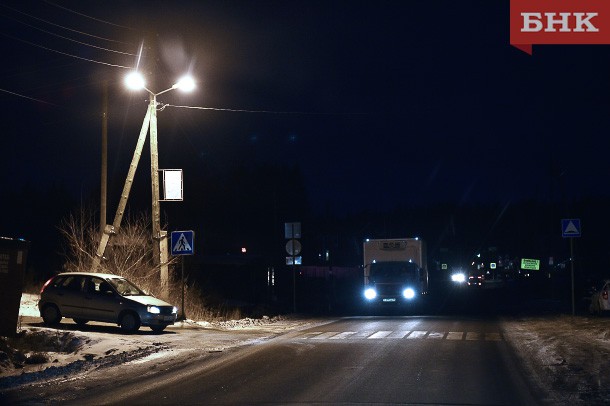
x=476 y=280
x=599 y=299
x=395 y=270
x=102 y=297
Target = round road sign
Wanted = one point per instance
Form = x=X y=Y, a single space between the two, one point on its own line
x=293 y=247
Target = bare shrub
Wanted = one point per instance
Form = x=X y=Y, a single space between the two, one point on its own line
x=129 y=254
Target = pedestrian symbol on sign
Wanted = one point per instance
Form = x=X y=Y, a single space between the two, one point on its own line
x=182 y=244
x=570 y=228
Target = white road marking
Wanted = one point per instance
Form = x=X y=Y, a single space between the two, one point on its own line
x=400 y=334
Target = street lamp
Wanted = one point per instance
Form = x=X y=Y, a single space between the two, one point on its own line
x=160 y=253
x=135 y=81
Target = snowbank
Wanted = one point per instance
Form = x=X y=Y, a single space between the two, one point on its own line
x=567 y=357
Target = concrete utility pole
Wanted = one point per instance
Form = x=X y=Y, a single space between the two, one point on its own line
x=110 y=230
x=104 y=174
x=160 y=255
x=160 y=246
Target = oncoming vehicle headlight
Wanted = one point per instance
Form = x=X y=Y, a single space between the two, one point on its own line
x=370 y=294
x=153 y=309
x=458 y=277
x=408 y=293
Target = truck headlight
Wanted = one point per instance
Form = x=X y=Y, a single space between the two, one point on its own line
x=370 y=293
x=408 y=293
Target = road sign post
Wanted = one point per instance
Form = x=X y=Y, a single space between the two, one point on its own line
x=292 y=231
x=570 y=228
x=183 y=243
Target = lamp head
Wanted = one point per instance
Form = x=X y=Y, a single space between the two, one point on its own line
x=186 y=84
x=135 y=81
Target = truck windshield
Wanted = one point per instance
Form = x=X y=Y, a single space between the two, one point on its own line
x=392 y=271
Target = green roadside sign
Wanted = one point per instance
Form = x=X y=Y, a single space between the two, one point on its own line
x=530 y=264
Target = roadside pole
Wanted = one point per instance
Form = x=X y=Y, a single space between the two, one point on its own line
x=570 y=228
x=182 y=243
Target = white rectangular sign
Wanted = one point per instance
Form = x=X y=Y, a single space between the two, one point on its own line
x=172 y=184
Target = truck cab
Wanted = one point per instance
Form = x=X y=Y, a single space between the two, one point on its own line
x=394 y=271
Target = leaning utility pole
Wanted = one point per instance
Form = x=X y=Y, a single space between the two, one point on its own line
x=110 y=230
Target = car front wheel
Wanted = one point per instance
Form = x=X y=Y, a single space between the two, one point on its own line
x=51 y=315
x=130 y=322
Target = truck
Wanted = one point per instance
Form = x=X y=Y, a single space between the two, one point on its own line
x=395 y=270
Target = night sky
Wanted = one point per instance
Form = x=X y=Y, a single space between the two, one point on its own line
x=380 y=104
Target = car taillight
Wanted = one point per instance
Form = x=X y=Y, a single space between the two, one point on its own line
x=605 y=294
x=45 y=285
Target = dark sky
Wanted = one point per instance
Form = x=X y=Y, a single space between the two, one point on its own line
x=380 y=103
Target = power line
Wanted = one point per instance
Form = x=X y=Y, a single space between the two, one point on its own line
x=69 y=39
x=65 y=53
x=28 y=97
x=62 y=27
x=87 y=16
x=163 y=105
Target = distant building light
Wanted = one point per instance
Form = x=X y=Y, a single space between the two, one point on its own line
x=243 y=250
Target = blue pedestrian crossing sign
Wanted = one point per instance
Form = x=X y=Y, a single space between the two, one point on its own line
x=570 y=228
x=182 y=242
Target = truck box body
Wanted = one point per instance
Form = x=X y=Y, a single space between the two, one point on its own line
x=395 y=270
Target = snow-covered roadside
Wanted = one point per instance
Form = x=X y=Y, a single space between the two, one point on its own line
x=567 y=357
x=45 y=353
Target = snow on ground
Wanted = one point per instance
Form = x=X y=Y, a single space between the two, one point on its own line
x=39 y=353
x=567 y=357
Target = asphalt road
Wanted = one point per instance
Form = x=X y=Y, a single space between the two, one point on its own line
x=360 y=360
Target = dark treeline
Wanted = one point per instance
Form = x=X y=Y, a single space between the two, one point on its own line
x=247 y=206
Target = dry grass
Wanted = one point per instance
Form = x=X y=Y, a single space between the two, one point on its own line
x=129 y=254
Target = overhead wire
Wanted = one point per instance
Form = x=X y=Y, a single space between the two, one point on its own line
x=28 y=97
x=67 y=38
x=88 y=16
x=63 y=27
x=164 y=105
x=65 y=53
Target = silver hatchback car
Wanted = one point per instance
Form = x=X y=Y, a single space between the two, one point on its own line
x=102 y=297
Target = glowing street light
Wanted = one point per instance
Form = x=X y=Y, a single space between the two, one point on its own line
x=135 y=81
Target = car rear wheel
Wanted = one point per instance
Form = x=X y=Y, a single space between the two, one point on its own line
x=81 y=322
x=130 y=322
x=157 y=329
x=51 y=315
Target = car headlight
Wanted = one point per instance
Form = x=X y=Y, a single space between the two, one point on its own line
x=458 y=277
x=174 y=310
x=370 y=294
x=153 y=309
x=408 y=293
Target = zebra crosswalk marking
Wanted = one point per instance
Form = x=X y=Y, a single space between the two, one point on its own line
x=326 y=335
x=362 y=334
x=455 y=335
x=380 y=334
x=417 y=334
x=400 y=334
x=343 y=335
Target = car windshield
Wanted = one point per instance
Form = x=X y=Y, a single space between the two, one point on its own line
x=125 y=288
